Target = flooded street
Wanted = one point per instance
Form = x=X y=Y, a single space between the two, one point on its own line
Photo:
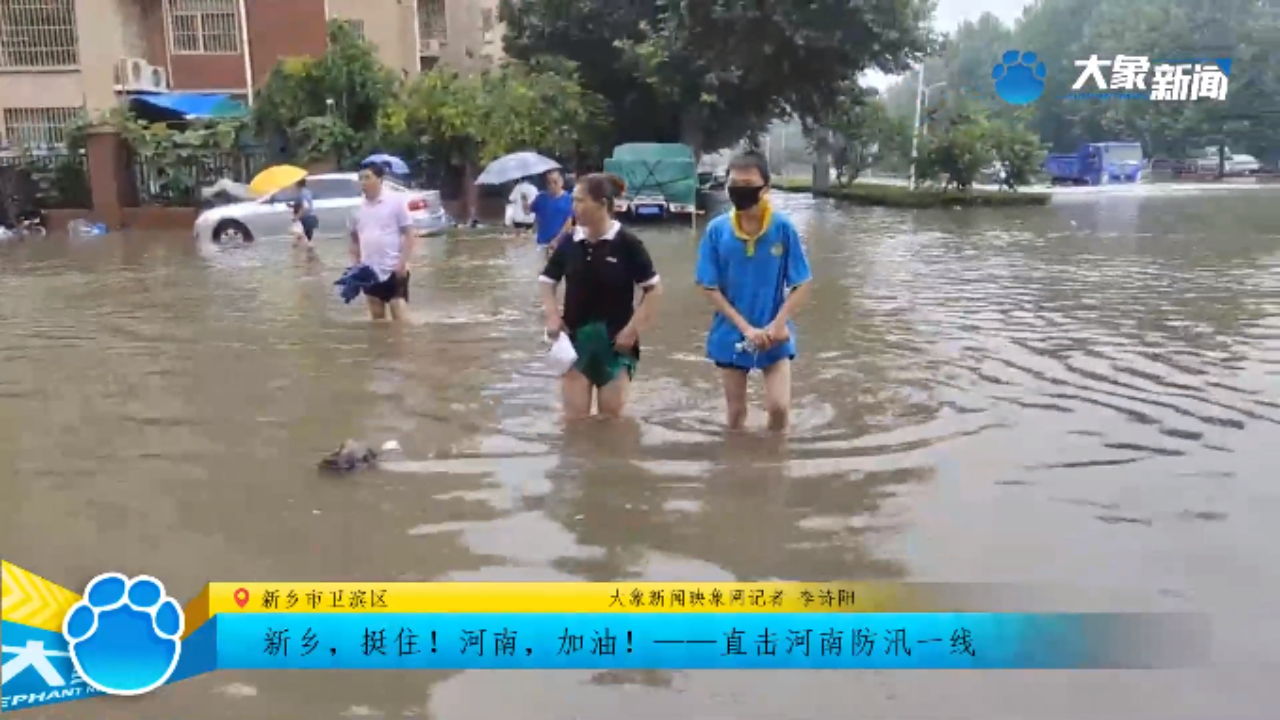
x=1085 y=394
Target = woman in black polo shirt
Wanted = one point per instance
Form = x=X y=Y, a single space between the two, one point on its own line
x=601 y=267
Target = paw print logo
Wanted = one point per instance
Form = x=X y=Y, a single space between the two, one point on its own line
x=1019 y=77
x=125 y=634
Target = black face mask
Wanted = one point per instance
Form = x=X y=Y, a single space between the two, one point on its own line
x=744 y=197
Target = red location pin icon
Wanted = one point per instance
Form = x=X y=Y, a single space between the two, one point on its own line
x=241 y=597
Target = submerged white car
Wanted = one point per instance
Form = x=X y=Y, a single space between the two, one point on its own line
x=336 y=196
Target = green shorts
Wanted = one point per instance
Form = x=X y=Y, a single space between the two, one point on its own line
x=598 y=361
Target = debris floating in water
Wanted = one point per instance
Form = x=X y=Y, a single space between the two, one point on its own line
x=390 y=446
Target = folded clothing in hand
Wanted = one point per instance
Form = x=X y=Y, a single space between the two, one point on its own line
x=598 y=360
x=355 y=280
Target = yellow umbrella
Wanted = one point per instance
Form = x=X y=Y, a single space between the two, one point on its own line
x=276 y=177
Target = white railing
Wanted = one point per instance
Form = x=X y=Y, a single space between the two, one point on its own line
x=38 y=34
x=203 y=27
x=38 y=128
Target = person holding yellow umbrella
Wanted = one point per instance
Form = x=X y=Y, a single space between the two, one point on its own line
x=279 y=177
x=276 y=178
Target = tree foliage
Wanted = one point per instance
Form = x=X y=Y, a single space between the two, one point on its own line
x=347 y=104
x=348 y=84
x=860 y=131
x=473 y=119
x=970 y=141
x=711 y=73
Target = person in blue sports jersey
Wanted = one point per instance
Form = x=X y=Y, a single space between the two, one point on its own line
x=552 y=212
x=753 y=269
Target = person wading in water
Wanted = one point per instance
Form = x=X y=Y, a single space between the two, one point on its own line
x=753 y=269
x=382 y=237
x=552 y=213
x=601 y=267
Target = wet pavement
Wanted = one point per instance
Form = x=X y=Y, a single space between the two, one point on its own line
x=1086 y=394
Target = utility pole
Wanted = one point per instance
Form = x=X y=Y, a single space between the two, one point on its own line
x=922 y=99
x=915 y=128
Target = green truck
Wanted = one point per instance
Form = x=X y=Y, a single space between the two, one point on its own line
x=661 y=178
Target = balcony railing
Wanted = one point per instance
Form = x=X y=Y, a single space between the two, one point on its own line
x=38 y=34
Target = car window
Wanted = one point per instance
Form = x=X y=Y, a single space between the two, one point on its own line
x=333 y=188
x=287 y=195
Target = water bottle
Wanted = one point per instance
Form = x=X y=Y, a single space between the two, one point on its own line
x=84 y=228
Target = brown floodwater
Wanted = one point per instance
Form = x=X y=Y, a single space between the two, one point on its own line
x=1085 y=394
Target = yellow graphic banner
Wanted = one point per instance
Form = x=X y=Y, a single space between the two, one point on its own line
x=547 y=597
x=28 y=599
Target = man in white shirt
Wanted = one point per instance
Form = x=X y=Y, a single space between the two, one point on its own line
x=382 y=238
x=519 y=211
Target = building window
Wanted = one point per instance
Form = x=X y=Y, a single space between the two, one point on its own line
x=357 y=28
x=38 y=34
x=38 y=128
x=432 y=24
x=204 y=27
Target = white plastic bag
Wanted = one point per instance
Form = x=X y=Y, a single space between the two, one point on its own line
x=561 y=356
x=296 y=228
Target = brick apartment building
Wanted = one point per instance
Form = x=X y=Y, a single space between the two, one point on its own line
x=62 y=58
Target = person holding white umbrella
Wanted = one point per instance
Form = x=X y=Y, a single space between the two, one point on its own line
x=552 y=209
x=519 y=205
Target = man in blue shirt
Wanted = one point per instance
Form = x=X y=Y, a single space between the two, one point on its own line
x=552 y=212
x=753 y=269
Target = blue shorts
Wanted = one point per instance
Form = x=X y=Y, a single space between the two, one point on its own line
x=749 y=368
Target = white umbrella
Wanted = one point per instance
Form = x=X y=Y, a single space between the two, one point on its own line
x=515 y=166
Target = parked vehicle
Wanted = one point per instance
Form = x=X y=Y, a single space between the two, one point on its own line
x=1097 y=164
x=336 y=196
x=661 y=178
x=1233 y=163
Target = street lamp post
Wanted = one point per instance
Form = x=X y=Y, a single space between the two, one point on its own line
x=922 y=98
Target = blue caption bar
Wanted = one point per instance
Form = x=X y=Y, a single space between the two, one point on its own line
x=701 y=641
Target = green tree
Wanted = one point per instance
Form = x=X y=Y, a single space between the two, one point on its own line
x=473 y=119
x=711 y=73
x=970 y=141
x=1019 y=149
x=859 y=128
x=470 y=120
x=347 y=84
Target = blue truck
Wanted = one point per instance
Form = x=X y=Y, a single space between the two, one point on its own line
x=1097 y=164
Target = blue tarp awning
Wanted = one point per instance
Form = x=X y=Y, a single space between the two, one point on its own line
x=194 y=105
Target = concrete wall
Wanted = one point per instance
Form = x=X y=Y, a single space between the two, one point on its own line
x=466 y=49
x=391 y=25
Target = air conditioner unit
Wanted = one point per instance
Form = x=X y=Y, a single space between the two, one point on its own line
x=138 y=75
x=429 y=47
